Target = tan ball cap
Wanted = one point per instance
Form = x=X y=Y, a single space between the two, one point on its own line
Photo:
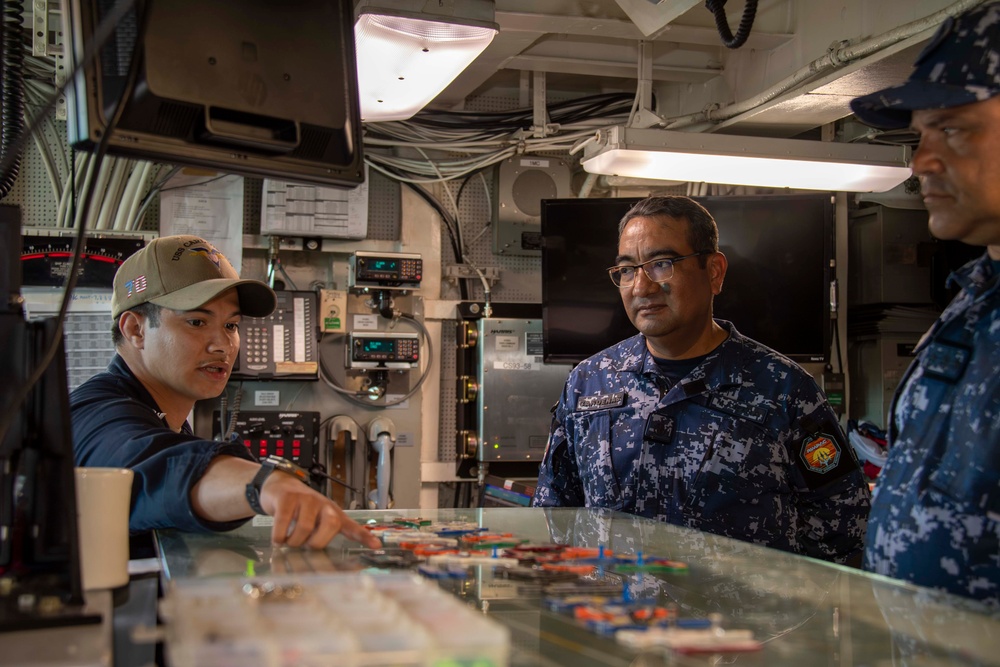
x=183 y=273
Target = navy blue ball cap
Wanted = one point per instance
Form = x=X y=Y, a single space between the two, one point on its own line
x=960 y=65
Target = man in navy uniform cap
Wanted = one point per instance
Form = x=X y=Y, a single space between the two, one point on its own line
x=177 y=307
x=935 y=516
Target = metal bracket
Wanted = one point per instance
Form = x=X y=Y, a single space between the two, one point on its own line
x=42 y=27
x=456 y=272
x=39 y=28
x=645 y=116
x=540 y=126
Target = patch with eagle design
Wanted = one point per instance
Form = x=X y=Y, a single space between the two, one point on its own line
x=822 y=459
x=820 y=453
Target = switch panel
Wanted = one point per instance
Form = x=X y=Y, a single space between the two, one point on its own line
x=290 y=435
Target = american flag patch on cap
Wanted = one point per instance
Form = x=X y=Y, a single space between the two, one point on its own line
x=135 y=286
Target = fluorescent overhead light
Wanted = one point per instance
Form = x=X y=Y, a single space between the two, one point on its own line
x=406 y=56
x=760 y=161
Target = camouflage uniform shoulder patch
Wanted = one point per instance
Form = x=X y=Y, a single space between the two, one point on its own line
x=822 y=460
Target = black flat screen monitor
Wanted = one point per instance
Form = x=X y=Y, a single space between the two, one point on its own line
x=776 y=289
x=257 y=87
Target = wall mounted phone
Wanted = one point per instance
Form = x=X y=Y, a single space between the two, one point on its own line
x=283 y=345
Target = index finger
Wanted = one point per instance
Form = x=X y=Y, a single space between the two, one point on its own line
x=283 y=519
x=352 y=530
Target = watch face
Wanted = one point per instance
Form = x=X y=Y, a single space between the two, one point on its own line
x=277 y=462
x=285 y=465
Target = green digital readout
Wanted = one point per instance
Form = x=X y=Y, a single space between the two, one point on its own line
x=383 y=265
x=378 y=345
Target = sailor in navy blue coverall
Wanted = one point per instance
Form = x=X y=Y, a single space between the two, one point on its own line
x=177 y=306
x=692 y=423
x=936 y=510
x=117 y=423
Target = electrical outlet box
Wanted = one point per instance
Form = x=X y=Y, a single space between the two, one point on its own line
x=332 y=311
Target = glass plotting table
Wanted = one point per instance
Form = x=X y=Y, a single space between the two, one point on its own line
x=806 y=612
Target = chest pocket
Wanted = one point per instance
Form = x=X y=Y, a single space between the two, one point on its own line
x=947 y=415
x=741 y=473
x=591 y=433
x=969 y=471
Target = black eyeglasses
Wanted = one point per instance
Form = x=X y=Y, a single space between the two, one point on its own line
x=657 y=270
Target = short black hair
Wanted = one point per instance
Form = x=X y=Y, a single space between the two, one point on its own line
x=703 y=233
x=148 y=310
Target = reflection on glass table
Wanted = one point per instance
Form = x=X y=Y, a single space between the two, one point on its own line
x=806 y=612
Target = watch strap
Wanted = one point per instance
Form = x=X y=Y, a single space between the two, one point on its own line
x=253 y=488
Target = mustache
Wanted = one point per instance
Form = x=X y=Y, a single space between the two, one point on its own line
x=640 y=303
x=931 y=184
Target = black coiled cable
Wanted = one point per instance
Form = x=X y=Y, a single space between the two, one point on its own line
x=718 y=9
x=11 y=90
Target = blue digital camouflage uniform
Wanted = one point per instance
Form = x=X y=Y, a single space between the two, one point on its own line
x=936 y=512
x=744 y=446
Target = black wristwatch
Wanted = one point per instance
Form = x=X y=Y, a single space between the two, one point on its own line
x=267 y=466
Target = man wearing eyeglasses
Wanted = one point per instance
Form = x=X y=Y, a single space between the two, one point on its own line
x=692 y=423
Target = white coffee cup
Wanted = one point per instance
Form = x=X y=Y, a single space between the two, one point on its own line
x=103 y=497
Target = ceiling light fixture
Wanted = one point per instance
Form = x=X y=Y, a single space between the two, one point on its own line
x=758 y=161
x=409 y=51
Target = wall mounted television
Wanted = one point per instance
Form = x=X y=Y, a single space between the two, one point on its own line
x=776 y=290
x=256 y=87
